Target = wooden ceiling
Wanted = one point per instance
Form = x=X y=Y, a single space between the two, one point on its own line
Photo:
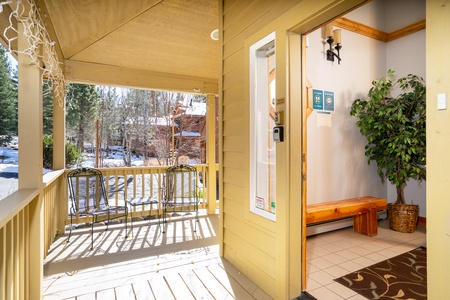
x=159 y=44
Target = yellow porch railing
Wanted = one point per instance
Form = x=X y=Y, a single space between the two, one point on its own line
x=132 y=182
x=31 y=218
x=53 y=195
x=27 y=230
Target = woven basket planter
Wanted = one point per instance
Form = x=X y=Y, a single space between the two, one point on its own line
x=403 y=217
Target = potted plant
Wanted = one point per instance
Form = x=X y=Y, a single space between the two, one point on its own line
x=396 y=139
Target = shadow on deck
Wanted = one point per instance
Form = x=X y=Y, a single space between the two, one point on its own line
x=179 y=264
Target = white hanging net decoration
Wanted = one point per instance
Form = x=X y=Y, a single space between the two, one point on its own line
x=41 y=48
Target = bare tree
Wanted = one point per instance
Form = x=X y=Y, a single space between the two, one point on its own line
x=109 y=117
x=135 y=128
x=163 y=142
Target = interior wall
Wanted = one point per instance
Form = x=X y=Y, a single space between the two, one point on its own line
x=407 y=56
x=337 y=165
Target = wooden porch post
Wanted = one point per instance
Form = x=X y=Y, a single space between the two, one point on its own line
x=30 y=157
x=59 y=126
x=211 y=151
x=59 y=147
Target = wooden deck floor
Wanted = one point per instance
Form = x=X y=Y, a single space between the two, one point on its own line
x=180 y=264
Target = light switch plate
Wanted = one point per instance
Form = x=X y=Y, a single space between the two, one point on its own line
x=442 y=101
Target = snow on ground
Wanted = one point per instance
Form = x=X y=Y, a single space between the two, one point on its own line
x=9 y=166
x=9 y=160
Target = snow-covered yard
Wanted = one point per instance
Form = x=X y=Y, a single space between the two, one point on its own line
x=9 y=166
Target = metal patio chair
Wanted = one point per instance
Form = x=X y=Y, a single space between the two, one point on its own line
x=181 y=192
x=87 y=194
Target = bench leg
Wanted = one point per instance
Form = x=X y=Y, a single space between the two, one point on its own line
x=366 y=223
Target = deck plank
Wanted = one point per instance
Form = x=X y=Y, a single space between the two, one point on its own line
x=88 y=297
x=195 y=285
x=142 y=290
x=212 y=284
x=229 y=283
x=246 y=283
x=147 y=265
x=105 y=294
x=178 y=287
x=160 y=289
x=125 y=292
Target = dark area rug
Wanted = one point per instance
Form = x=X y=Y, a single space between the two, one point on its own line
x=401 y=277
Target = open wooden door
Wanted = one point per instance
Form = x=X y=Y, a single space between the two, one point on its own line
x=306 y=111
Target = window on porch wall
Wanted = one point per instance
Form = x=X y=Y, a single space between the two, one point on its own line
x=262 y=121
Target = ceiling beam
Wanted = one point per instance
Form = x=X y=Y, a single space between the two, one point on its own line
x=89 y=73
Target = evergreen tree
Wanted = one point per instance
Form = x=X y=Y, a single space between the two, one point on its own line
x=109 y=115
x=81 y=113
x=15 y=93
x=134 y=129
x=8 y=100
x=47 y=108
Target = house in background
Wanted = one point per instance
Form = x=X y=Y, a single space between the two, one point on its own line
x=182 y=132
x=133 y=46
x=190 y=129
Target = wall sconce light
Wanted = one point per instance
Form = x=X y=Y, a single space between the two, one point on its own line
x=333 y=37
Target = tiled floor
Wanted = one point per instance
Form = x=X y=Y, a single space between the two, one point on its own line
x=334 y=254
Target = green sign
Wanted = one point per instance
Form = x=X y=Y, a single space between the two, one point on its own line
x=318 y=99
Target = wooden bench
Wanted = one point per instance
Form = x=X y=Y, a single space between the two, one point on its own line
x=363 y=210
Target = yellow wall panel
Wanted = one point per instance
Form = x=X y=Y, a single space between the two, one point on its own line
x=234 y=94
x=438 y=141
x=255 y=256
x=234 y=110
x=262 y=280
x=234 y=61
x=234 y=176
x=233 y=78
x=234 y=160
x=235 y=204
x=234 y=193
x=254 y=235
x=235 y=13
x=227 y=5
x=237 y=126
x=229 y=147
x=232 y=47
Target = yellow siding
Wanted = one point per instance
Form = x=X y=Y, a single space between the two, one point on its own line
x=259 y=248
x=438 y=161
x=249 y=241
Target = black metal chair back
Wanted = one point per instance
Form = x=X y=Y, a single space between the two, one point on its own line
x=181 y=191
x=87 y=195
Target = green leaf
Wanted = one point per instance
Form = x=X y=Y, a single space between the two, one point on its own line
x=395 y=127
